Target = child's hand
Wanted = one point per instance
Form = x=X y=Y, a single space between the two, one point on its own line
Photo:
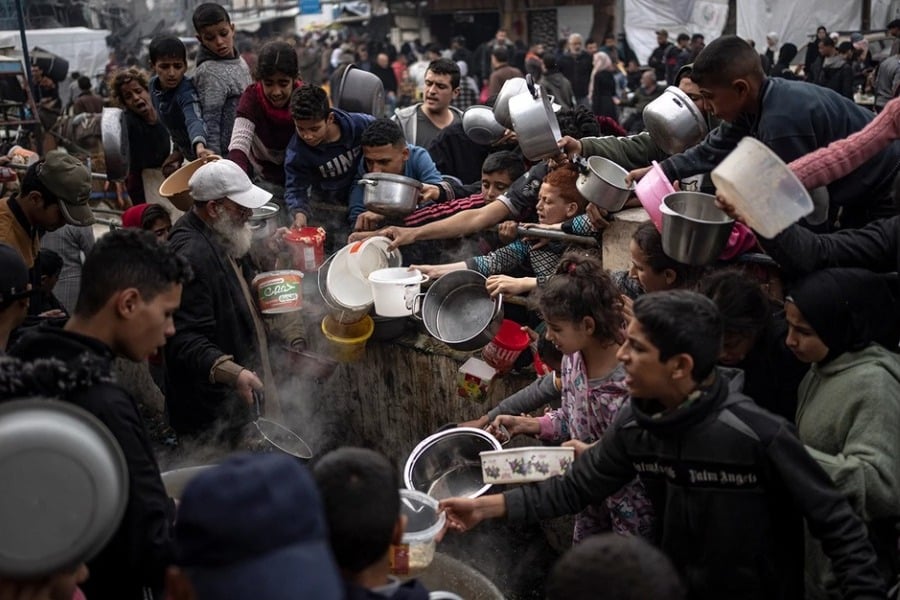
x=510 y=286
x=435 y=271
x=203 y=152
x=299 y=220
x=580 y=447
x=636 y=175
x=430 y=193
x=508 y=231
x=516 y=425
x=368 y=221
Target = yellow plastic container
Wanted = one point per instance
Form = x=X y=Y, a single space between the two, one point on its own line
x=348 y=340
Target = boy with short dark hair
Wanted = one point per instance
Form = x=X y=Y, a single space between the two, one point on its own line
x=175 y=97
x=221 y=74
x=359 y=489
x=792 y=118
x=131 y=286
x=323 y=155
x=730 y=483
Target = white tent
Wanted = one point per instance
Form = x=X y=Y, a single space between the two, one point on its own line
x=644 y=17
x=84 y=48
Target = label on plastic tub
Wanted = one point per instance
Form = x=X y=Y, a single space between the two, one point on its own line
x=399 y=559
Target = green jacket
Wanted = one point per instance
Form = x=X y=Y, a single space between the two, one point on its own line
x=848 y=416
x=632 y=152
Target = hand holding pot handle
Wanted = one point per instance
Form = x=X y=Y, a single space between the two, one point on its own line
x=245 y=385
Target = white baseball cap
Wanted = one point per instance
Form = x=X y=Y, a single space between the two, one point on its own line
x=225 y=179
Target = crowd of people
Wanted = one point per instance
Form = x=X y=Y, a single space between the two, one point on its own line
x=735 y=425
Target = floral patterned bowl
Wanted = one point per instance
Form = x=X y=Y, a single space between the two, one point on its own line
x=521 y=465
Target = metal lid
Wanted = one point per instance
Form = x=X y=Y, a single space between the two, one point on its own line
x=66 y=486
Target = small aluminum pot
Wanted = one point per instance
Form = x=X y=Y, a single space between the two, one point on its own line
x=674 y=121
x=535 y=124
x=390 y=195
x=481 y=126
x=512 y=87
x=602 y=182
x=264 y=221
x=694 y=230
x=458 y=310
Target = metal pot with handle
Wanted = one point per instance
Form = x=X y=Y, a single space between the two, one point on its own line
x=674 y=121
x=458 y=310
x=512 y=87
x=264 y=220
x=390 y=195
x=602 y=182
x=535 y=124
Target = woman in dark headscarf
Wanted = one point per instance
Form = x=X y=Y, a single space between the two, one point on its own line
x=848 y=411
x=782 y=68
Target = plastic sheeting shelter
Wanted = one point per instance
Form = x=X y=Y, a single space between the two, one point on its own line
x=84 y=48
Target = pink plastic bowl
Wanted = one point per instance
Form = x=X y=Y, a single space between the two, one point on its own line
x=651 y=189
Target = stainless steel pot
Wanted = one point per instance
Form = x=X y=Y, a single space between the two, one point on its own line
x=115 y=143
x=458 y=310
x=512 y=87
x=674 y=121
x=447 y=464
x=390 y=195
x=694 y=231
x=360 y=91
x=535 y=124
x=481 y=126
x=602 y=182
x=264 y=221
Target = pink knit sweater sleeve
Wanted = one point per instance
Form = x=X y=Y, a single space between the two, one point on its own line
x=842 y=157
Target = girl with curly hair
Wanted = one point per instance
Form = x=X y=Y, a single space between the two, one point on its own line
x=583 y=312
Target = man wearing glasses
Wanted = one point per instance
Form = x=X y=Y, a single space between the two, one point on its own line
x=218 y=356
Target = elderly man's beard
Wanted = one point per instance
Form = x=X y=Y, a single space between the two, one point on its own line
x=235 y=236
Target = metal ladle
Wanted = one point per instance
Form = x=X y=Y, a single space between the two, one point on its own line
x=278 y=435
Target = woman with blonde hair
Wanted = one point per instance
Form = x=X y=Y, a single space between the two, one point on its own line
x=602 y=89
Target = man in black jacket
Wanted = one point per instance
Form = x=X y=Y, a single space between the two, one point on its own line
x=220 y=338
x=659 y=55
x=576 y=65
x=131 y=286
x=730 y=483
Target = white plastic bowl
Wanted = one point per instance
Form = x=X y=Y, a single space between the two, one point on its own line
x=762 y=188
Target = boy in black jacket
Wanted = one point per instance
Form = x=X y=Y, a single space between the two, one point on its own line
x=730 y=482
x=130 y=287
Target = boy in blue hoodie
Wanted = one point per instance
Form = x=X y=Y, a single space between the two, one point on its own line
x=322 y=157
x=221 y=74
x=175 y=98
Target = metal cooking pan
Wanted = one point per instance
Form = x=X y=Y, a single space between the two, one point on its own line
x=360 y=91
x=458 y=310
x=535 y=124
x=278 y=435
x=115 y=143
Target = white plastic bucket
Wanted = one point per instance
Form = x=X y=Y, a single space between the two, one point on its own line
x=762 y=188
x=394 y=289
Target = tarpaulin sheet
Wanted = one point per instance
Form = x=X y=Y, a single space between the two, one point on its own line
x=85 y=49
x=795 y=21
x=644 y=17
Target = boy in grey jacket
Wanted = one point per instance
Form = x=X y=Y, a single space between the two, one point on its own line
x=221 y=74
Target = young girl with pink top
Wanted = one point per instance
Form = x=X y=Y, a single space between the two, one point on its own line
x=583 y=312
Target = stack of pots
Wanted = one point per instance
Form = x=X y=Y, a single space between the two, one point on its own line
x=347 y=292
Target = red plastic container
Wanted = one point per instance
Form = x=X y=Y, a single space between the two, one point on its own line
x=502 y=351
x=307 y=246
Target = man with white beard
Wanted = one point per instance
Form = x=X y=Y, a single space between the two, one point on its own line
x=218 y=356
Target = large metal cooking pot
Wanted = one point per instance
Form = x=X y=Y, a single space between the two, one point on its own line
x=448 y=464
x=115 y=143
x=674 y=121
x=602 y=182
x=458 y=310
x=446 y=574
x=481 y=125
x=390 y=195
x=511 y=87
x=694 y=230
x=264 y=221
x=535 y=124
x=360 y=91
